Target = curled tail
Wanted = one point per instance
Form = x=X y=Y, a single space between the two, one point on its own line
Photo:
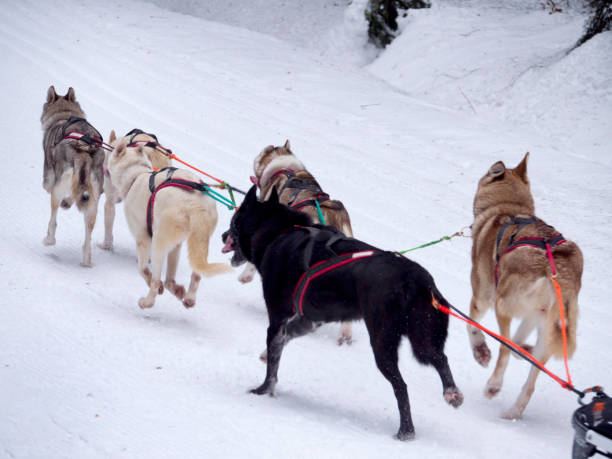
x=202 y=225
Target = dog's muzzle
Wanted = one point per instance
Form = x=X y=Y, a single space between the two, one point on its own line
x=228 y=240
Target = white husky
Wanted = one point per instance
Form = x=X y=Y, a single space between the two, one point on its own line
x=178 y=214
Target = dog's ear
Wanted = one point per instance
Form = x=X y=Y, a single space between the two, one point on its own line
x=497 y=170
x=521 y=170
x=251 y=196
x=112 y=136
x=274 y=196
x=51 y=94
x=120 y=150
x=70 y=95
x=287 y=145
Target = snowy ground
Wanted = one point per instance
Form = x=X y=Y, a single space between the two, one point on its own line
x=85 y=373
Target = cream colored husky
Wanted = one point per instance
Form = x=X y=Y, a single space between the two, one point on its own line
x=157 y=159
x=178 y=215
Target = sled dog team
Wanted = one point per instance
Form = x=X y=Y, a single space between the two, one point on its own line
x=313 y=271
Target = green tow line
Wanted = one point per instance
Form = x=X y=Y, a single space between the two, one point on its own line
x=321 y=217
x=443 y=238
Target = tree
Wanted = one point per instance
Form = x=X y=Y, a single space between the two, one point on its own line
x=382 y=18
x=600 y=20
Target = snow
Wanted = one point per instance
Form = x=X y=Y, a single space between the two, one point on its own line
x=85 y=373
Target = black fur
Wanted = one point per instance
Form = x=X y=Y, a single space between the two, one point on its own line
x=391 y=293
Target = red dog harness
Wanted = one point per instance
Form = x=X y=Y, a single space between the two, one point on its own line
x=537 y=242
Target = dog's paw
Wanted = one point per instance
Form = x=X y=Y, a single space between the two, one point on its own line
x=49 y=241
x=160 y=289
x=512 y=414
x=86 y=264
x=106 y=245
x=453 y=397
x=145 y=303
x=66 y=203
x=343 y=338
x=176 y=289
x=492 y=388
x=245 y=278
x=189 y=302
x=265 y=388
x=482 y=354
x=403 y=436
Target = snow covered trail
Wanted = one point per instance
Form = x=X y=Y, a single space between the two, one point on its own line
x=85 y=373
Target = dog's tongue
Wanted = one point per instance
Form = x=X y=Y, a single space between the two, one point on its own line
x=254 y=180
x=229 y=245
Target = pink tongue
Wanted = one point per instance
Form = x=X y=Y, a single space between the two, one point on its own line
x=229 y=245
x=254 y=180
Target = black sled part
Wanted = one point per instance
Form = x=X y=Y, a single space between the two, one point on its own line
x=592 y=425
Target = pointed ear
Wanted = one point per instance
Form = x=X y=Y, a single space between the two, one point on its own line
x=497 y=170
x=273 y=196
x=112 y=136
x=521 y=170
x=251 y=196
x=70 y=95
x=51 y=94
x=287 y=145
x=120 y=150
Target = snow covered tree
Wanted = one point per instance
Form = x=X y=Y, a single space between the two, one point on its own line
x=600 y=20
x=382 y=18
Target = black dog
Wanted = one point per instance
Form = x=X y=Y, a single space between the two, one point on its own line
x=391 y=293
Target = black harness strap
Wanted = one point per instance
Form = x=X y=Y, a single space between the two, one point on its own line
x=95 y=139
x=329 y=236
x=187 y=185
x=298 y=184
x=537 y=242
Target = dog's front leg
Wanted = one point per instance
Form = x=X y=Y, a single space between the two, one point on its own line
x=296 y=327
x=90 y=221
x=50 y=239
x=109 y=217
x=155 y=287
x=275 y=343
x=248 y=273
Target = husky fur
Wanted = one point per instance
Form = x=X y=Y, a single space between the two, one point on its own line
x=524 y=289
x=158 y=161
x=73 y=170
x=391 y=293
x=273 y=159
x=179 y=215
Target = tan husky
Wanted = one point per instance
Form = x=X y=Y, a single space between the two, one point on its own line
x=156 y=157
x=511 y=271
x=73 y=163
x=178 y=213
x=279 y=167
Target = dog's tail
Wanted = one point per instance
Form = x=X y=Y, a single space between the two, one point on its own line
x=555 y=334
x=202 y=224
x=82 y=187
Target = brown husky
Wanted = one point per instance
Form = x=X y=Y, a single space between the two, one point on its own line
x=73 y=163
x=511 y=271
x=177 y=213
x=297 y=188
x=156 y=157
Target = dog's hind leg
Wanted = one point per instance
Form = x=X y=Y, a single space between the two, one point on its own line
x=90 y=221
x=542 y=354
x=190 y=297
x=275 y=342
x=143 y=246
x=50 y=239
x=385 y=343
x=496 y=380
x=158 y=252
x=171 y=266
x=296 y=327
x=524 y=330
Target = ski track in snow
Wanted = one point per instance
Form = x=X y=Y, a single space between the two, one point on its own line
x=85 y=373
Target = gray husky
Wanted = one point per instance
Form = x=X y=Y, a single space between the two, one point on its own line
x=73 y=168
